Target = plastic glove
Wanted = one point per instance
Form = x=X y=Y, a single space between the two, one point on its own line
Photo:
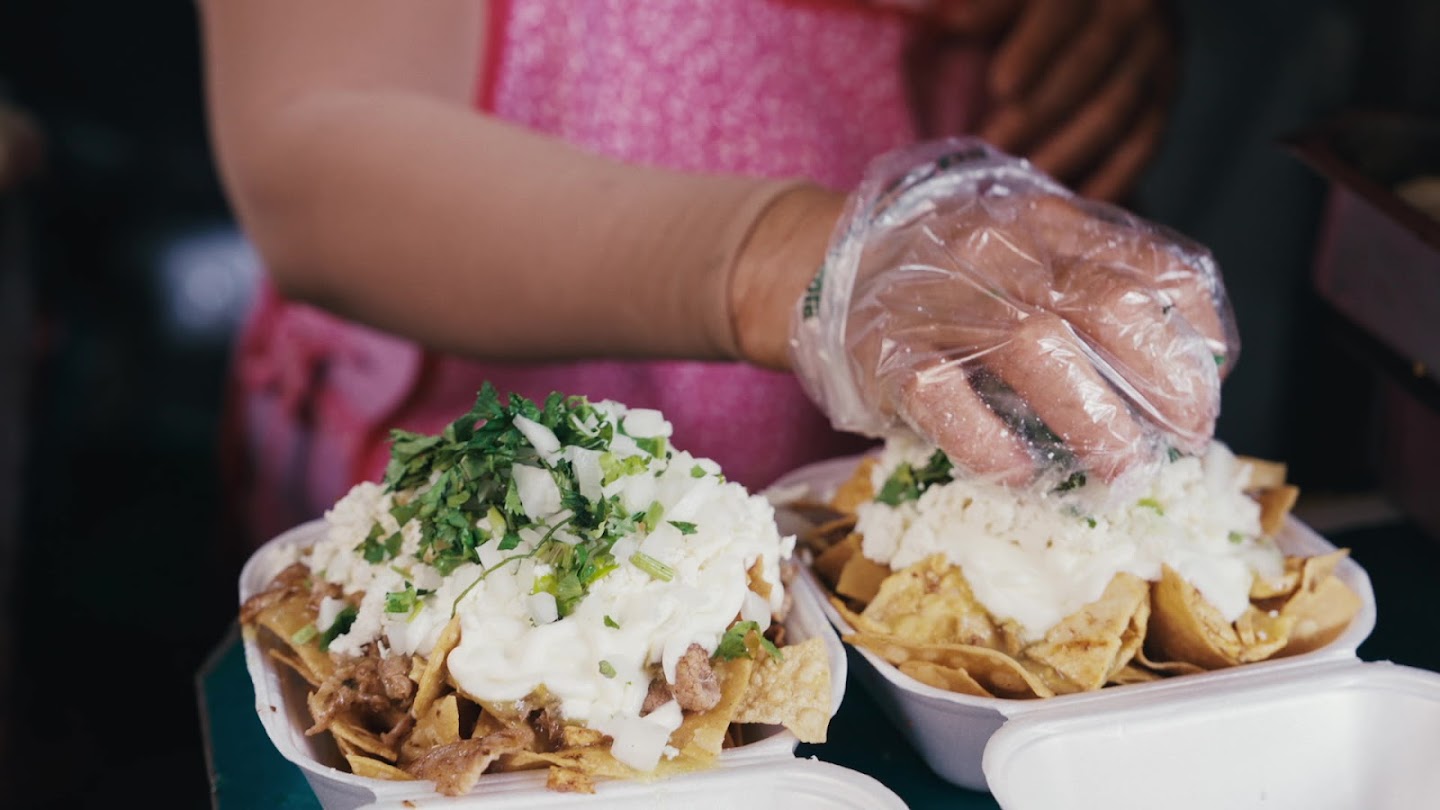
x=1030 y=334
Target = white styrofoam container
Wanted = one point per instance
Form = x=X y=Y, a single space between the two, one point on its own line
x=1331 y=735
x=762 y=775
x=952 y=732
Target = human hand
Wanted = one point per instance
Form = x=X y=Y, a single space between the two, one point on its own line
x=1080 y=87
x=1025 y=331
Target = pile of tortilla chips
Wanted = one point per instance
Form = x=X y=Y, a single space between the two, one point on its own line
x=453 y=738
x=925 y=620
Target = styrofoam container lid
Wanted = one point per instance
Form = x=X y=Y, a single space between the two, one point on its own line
x=793 y=784
x=951 y=731
x=1341 y=735
x=751 y=774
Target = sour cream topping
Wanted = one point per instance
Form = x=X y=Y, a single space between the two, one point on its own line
x=594 y=662
x=1037 y=557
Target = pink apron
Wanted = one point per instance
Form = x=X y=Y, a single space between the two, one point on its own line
x=770 y=88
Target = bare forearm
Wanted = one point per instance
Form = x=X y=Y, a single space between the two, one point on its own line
x=349 y=147
x=465 y=233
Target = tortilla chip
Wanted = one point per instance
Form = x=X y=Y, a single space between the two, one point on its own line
x=794 y=691
x=1315 y=570
x=433 y=678
x=1166 y=668
x=592 y=761
x=487 y=723
x=361 y=765
x=1134 y=673
x=1263 y=589
x=456 y=767
x=861 y=578
x=1275 y=504
x=1081 y=652
x=997 y=672
x=856 y=620
x=289 y=616
x=825 y=534
x=564 y=780
x=831 y=562
x=856 y=489
x=941 y=677
x=1320 y=615
x=362 y=739
x=1264 y=474
x=1133 y=637
x=930 y=602
x=295 y=664
x=756 y=579
x=1186 y=627
x=573 y=736
x=1261 y=634
x=439 y=725
x=701 y=735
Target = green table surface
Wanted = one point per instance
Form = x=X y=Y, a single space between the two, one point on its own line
x=247 y=772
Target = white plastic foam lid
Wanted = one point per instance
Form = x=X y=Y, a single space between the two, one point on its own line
x=795 y=784
x=1336 y=735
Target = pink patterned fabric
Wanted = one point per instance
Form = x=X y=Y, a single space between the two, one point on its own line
x=772 y=88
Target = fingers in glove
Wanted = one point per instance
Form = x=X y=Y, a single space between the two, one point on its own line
x=1160 y=362
x=1114 y=179
x=1032 y=44
x=1082 y=61
x=1086 y=137
x=940 y=404
x=1101 y=234
x=1047 y=367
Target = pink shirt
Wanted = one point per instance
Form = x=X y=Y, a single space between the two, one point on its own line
x=768 y=88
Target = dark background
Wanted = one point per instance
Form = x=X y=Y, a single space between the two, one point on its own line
x=130 y=280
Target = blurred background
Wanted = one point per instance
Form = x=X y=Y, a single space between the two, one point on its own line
x=122 y=280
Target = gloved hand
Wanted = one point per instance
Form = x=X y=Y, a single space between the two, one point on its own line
x=1029 y=333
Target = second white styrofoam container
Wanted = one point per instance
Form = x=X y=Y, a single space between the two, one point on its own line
x=1337 y=735
x=767 y=765
x=951 y=731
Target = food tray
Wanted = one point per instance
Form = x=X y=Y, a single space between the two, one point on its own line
x=952 y=732
x=772 y=776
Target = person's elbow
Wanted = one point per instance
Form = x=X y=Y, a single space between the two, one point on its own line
x=279 y=192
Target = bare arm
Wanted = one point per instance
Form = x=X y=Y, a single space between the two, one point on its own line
x=350 y=150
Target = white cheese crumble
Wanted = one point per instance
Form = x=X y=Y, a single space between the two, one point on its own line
x=513 y=639
x=1037 y=557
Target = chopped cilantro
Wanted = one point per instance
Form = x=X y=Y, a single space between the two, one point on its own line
x=653 y=516
x=655 y=445
x=907 y=483
x=1174 y=454
x=697 y=471
x=1237 y=537
x=377 y=550
x=652 y=566
x=1090 y=521
x=609 y=622
x=340 y=627
x=465 y=495
x=613 y=468
x=406 y=601
x=1075 y=481
x=732 y=644
x=607 y=669
x=685 y=527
